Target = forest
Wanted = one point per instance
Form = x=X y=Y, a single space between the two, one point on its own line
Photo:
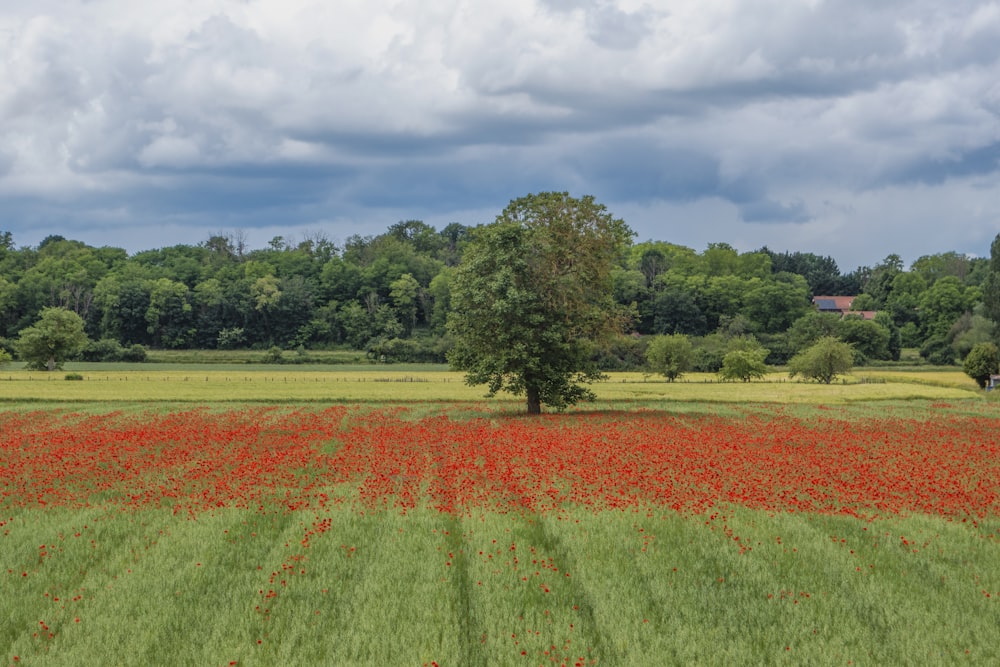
x=389 y=296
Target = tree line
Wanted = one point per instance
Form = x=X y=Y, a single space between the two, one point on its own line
x=391 y=294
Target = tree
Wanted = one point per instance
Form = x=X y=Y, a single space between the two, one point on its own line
x=744 y=365
x=670 y=356
x=57 y=335
x=982 y=362
x=869 y=339
x=774 y=305
x=744 y=360
x=827 y=358
x=991 y=286
x=532 y=296
x=404 y=292
x=4 y=356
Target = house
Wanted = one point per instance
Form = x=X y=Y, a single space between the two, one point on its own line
x=993 y=383
x=840 y=305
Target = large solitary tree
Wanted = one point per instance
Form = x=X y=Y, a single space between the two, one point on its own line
x=533 y=295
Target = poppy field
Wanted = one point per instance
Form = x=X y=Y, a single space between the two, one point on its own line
x=265 y=535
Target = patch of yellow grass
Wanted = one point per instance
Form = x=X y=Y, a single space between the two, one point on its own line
x=955 y=378
x=387 y=386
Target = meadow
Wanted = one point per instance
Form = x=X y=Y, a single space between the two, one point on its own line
x=398 y=518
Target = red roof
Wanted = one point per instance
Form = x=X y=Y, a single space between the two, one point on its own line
x=833 y=303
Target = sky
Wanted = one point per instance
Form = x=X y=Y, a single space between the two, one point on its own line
x=848 y=128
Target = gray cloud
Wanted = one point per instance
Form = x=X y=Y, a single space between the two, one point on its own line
x=775 y=121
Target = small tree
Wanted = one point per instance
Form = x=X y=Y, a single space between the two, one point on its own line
x=56 y=336
x=670 y=356
x=4 y=358
x=982 y=362
x=823 y=361
x=744 y=365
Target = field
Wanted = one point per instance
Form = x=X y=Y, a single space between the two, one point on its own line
x=404 y=522
x=370 y=384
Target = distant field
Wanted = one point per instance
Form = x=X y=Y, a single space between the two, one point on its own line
x=426 y=383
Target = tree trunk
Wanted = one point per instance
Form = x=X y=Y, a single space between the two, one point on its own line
x=534 y=401
x=51 y=365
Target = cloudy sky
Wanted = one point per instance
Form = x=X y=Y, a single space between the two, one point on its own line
x=848 y=128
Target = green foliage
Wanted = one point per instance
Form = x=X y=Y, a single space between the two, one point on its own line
x=937 y=350
x=397 y=286
x=5 y=357
x=75 y=377
x=105 y=349
x=774 y=306
x=55 y=337
x=826 y=359
x=982 y=362
x=869 y=339
x=943 y=303
x=744 y=361
x=991 y=284
x=134 y=353
x=811 y=327
x=968 y=331
x=533 y=294
x=229 y=339
x=670 y=356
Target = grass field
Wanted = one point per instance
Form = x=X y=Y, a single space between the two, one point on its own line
x=381 y=520
x=193 y=383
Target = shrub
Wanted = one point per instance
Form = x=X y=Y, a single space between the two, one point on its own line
x=105 y=349
x=982 y=362
x=134 y=353
x=670 y=356
x=744 y=365
x=938 y=351
x=823 y=361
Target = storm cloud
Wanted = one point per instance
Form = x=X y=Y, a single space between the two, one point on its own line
x=847 y=128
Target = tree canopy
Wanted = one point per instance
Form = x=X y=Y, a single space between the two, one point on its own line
x=982 y=362
x=670 y=356
x=56 y=336
x=533 y=296
x=823 y=361
x=390 y=295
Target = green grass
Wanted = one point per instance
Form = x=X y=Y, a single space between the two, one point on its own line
x=361 y=587
x=384 y=588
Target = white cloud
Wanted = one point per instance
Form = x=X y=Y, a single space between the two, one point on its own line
x=813 y=119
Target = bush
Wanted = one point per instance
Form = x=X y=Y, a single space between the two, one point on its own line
x=744 y=365
x=623 y=353
x=670 y=356
x=423 y=350
x=108 y=349
x=823 y=361
x=938 y=351
x=708 y=353
x=5 y=357
x=982 y=362
x=74 y=376
x=105 y=349
x=135 y=353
